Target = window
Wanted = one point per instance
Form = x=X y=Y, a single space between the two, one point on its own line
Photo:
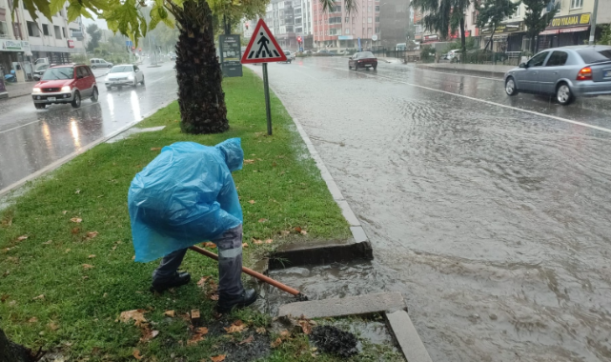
x=3 y=29
x=369 y=20
x=335 y=20
x=556 y=59
x=576 y=4
x=64 y=32
x=538 y=59
x=377 y=19
x=347 y=31
x=33 y=29
x=45 y=29
x=590 y=56
x=58 y=34
x=377 y=7
x=81 y=72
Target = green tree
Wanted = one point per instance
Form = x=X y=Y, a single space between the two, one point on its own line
x=95 y=34
x=198 y=72
x=445 y=16
x=492 y=13
x=605 y=37
x=537 y=17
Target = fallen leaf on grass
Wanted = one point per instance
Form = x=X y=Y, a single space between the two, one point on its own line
x=33 y=320
x=262 y=220
x=76 y=219
x=147 y=334
x=202 y=281
x=244 y=245
x=208 y=244
x=285 y=334
x=91 y=256
x=297 y=229
x=276 y=343
x=77 y=191
x=305 y=326
x=22 y=238
x=47 y=242
x=269 y=241
x=4 y=297
x=257 y=241
x=248 y=340
x=42 y=296
x=252 y=202
x=90 y=235
x=214 y=297
x=136 y=314
x=53 y=326
x=155 y=148
x=12 y=303
x=285 y=232
x=303 y=232
x=75 y=230
x=136 y=354
x=261 y=330
x=64 y=212
x=87 y=266
x=247 y=162
x=219 y=358
x=196 y=338
x=67 y=250
x=237 y=327
x=169 y=313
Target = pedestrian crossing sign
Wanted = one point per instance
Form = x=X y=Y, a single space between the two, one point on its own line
x=263 y=47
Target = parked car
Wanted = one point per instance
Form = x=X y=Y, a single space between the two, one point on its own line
x=566 y=72
x=39 y=71
x=453 y=55
x=322 y=52
x=124 y=74
x=99 y=63
x=290 y=56
x=65 y=84
x=363 y=60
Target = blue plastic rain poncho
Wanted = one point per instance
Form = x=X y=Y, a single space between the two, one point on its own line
x=186 y=195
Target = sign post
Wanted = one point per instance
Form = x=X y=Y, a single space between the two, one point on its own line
x=263 y=48
x=230 y=55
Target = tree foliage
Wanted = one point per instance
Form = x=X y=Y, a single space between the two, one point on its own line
x=444 y=16
x=537 y=17
x=95 y=34
x=493 y=12
x=605 y=37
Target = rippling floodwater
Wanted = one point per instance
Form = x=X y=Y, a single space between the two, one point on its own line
x=493 y=223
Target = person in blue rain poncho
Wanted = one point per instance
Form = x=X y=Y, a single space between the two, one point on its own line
x=186 y=195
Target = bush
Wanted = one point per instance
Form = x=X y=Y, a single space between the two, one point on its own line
x=483 y=56
x=427 y=54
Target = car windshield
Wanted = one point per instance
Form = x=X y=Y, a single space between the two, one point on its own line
x=366 y=55
x=58 y=73
x=593 y=56
x=122 y=69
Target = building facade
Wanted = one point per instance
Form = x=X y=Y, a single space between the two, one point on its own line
x=338 y=29
x=280 y=18
x=394 y=24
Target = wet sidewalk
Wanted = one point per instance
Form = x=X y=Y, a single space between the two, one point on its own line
x=19 y=89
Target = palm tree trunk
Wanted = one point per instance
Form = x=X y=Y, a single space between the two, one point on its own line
x=463 y=41
x=200 y=95
x=13 y=352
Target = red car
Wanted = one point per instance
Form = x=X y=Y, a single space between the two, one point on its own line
x=65 y=84
x=363 y=60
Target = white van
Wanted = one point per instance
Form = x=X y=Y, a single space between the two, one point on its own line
x=99 y=63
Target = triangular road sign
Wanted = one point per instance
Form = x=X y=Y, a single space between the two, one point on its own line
x=263 y=47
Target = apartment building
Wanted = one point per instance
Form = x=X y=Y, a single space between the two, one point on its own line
x=395 y=20
x=339 y=29
x=24 y=40
x=280 y=18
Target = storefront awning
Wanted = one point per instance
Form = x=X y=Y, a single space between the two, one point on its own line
x=575 y=30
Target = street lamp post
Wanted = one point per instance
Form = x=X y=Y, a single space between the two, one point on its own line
x=593 y=26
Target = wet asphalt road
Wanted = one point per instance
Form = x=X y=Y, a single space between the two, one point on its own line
x=492 y=219
x=32 y=139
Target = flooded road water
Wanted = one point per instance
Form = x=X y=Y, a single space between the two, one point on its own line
x=32 y=139
x=493 y=222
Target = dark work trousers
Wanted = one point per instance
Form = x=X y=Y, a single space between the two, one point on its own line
x=230 y=265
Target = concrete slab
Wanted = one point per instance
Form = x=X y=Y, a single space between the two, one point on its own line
x=356 y=305
x=132 y=131
x=292 y=255
x=358 y=233
x=403 y=329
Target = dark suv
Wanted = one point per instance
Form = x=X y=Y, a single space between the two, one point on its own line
x=65 y=84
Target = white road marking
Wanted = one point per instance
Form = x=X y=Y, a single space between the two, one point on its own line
x=488 y=102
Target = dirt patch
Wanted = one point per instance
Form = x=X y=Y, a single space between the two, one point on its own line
x=330 y=339
x=248 y=350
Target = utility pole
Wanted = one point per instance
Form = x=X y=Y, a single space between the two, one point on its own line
x=593 y=23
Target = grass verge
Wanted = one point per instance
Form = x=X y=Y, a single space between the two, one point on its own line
x=66 y=268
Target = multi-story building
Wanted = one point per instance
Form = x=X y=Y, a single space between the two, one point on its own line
x=280 y=18
x=303 y=22
x=394 y=24
x=337 y=28
x=25 y=40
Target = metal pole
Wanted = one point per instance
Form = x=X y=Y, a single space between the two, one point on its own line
x=593 y=22
x=267 y=106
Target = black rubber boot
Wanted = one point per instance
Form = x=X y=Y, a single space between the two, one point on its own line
x=249 y=296
x=177 y=280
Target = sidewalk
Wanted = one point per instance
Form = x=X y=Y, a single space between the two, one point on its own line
x=488 y=70
x=19 y=89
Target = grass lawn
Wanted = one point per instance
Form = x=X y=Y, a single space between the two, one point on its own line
x=66 y=268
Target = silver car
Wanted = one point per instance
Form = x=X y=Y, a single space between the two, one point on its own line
x=124 y=74
x=566 y=73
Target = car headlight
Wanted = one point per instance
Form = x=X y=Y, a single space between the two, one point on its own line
x=36 y=90
x=130 y=77
x=107 y=79
x=66 y=88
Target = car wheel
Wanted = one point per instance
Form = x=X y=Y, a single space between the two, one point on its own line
x=76 y=102
x=94 y=95
x=564 y=94
x=510 y=87
x=93 y=67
